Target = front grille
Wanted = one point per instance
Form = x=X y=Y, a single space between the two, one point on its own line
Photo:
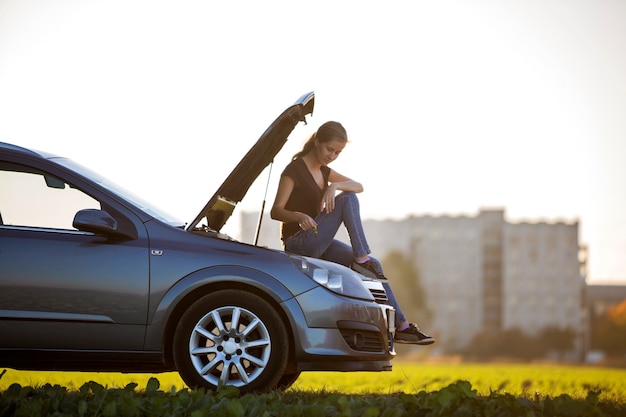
x=379 y=295
x=363 y=340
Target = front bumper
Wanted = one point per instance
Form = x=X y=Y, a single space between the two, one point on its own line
x=341 y=334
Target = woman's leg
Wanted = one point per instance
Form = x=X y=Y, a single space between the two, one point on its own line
x=347 y=204
x=338 y=252
x=400 y=318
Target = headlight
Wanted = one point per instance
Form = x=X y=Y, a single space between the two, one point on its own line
x=335 y=277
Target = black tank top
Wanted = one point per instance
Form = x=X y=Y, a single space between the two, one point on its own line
x=306 y=195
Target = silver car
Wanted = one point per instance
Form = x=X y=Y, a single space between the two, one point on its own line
x=93 y=278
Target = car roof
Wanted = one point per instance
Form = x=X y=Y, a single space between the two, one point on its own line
x=24 y=151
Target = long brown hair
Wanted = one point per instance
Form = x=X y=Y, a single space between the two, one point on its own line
x=325 y=133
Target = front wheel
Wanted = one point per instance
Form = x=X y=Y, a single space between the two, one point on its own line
x=231 y=337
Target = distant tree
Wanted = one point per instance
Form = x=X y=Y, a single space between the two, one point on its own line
x=405 y=281
x=518 y=344
x=514 y=343
x=609 y=333
x=485 y=345
x=557 y=339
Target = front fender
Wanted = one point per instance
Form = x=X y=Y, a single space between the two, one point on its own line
x=199 y=283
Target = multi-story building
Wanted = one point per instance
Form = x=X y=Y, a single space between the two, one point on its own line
x=481 y=272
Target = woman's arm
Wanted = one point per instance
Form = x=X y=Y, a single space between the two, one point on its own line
x=343 y=183
x=280 y=213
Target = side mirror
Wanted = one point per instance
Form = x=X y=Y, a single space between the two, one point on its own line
x=95 y=221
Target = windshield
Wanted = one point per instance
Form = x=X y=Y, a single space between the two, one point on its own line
x=139 y=202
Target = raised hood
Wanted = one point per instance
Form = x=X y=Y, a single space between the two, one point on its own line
x=221 y=205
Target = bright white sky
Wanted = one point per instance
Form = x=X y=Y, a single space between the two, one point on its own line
x=451 y=106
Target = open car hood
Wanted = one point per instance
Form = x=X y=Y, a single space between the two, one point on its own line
x=220 y=207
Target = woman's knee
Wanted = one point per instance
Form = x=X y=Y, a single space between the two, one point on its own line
x=348 y=197
x=347 y=194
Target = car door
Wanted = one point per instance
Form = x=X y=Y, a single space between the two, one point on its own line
x=61 y=288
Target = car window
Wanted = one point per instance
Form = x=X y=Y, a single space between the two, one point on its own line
x=144 y=205
x=35 y=199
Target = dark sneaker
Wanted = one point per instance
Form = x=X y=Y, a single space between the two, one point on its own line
x=413 y=335
x=370 y=269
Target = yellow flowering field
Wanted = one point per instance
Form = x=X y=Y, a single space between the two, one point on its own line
x=408 y=377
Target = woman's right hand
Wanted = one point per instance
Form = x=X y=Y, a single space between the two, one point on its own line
x=306 y=222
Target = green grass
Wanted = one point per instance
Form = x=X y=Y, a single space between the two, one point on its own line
x=528 y=381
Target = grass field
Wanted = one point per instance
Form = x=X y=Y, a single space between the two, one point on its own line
x=520 y=380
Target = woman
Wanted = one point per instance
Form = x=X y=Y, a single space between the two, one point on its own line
x=311 y=212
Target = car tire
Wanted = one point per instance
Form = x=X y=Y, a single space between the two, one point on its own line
x=209 y=351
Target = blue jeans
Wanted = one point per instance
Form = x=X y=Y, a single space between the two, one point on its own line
x=325 y=246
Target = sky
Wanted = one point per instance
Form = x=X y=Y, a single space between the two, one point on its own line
x=450 y=106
